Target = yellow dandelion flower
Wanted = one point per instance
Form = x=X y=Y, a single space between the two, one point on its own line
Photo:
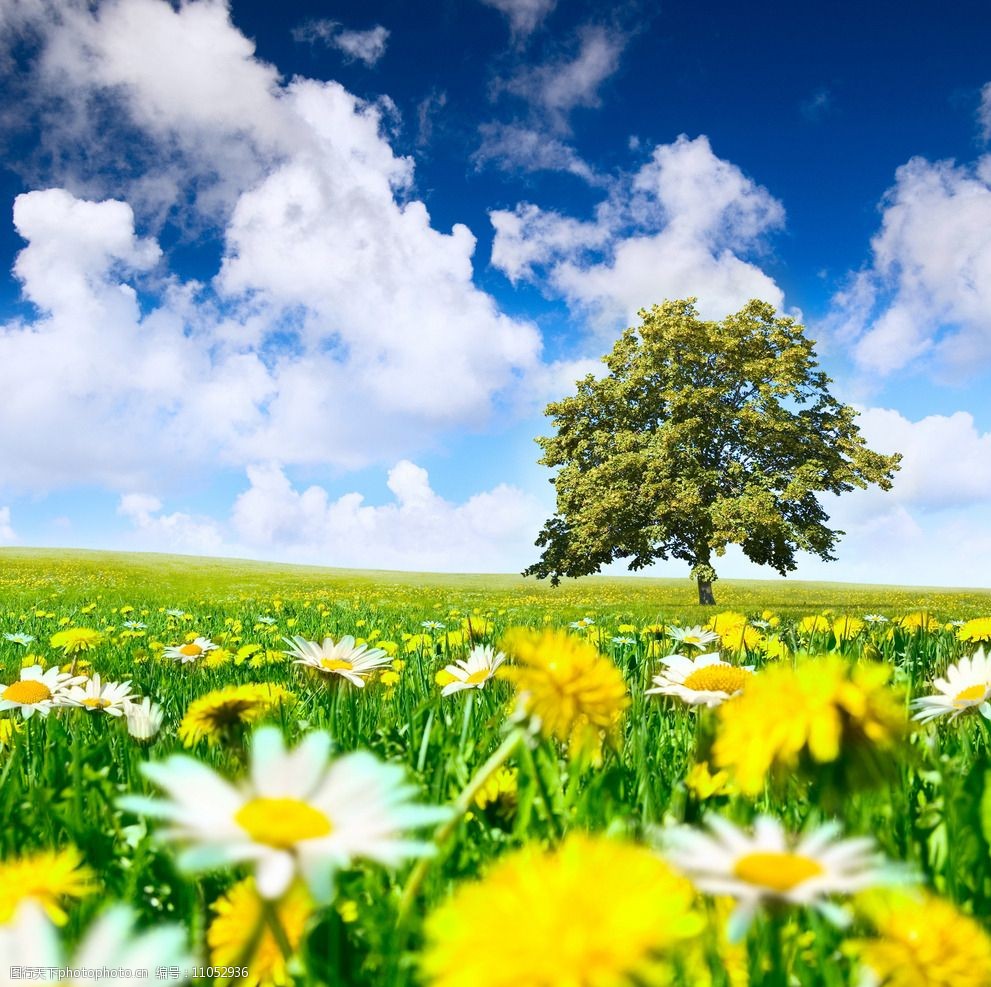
x=501 y=786
x=595 y=912
x=847 y=628
x=237 y=915
x=774 y=647
x=817 y=624
x=922 y=941
x=44 y=877
x=812 y=713
x=76 y=639
x=740 y=637
x=704 y=784
x=567 y=686
x=728 y=620
x=920 y=620
x=215 y=715
x=8 y=728
x=976 y=630
x=348 y=910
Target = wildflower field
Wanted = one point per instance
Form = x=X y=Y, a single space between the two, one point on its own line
x=226 y=772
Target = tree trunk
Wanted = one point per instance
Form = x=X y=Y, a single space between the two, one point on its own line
x=706 y=599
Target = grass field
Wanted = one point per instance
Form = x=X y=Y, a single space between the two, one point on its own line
x=571 y=849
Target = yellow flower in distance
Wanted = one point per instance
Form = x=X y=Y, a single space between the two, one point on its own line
x=212 y=716
x=237 y=915
x=922 y=941
x=815 y=712
x=703 y=784
x=568 y=689
x=847 y=628
x=593 y=913
x=920 y=620
x=44 y=877
x=74 y=640
x=978 y=629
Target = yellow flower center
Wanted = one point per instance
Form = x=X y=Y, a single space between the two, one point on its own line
x=335 y=664
x=96 y=703
x=776 y=871
x=27 y=692
x=717 y=678
x=476 y=677
x=973 y=693
x=191 y=650
x=282 y=823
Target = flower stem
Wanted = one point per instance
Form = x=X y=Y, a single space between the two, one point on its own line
x=460 y=807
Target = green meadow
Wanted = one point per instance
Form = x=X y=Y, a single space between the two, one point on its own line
x=922 y=793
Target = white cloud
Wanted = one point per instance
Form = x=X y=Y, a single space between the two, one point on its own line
x=513 y=146
x=984 y=111
x=341 y=328
x=558 y=87
x=419 y=530
x=366 y=46
x=7 y=533
x=524 y=15
x=175 y=532
x=677 y=227
x=925 y=299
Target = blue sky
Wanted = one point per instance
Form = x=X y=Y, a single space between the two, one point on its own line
x=296 y=282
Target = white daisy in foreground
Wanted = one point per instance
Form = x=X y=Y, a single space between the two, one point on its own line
x=697 y=636
x=474 y=671
x=771 y=866
x=705 y=680
x=110 y=697
x=24 y=639
x=966 y=686
x=191 y=651
x=298 y=812
x=144 y=719
x=39 y=691
x=350 y=661
x=110 y=945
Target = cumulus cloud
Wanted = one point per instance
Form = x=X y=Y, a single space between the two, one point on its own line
x=678 y=226
x=419 y=530
x=176 y=532
x=524 y=15
x=341 y=327
x=365 y=46
x=925 y=297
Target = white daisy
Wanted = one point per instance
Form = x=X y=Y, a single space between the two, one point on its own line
x=144 y=719
x=39 y=691
x=135 y=625
x=298 y=812
x=623 y=640
x=350 y=661
x=771 y=866
x=111 y=945
x=875 y=618
x=191 y=651
x=475 y=671
x=24 y=639
x=705 y=680
x=966 y=686
x=432 y=625
x=97 y=696
x=697 y=637
x=175 y=613
x=265 y=620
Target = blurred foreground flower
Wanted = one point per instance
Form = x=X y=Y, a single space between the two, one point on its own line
x=111 y=944
x=770 y=866
x=298 y=812
x=592 y=912
x=43 y=878
x=921 y=941
x=824 y=711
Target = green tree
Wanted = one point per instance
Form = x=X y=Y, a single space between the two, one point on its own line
x=702 y=435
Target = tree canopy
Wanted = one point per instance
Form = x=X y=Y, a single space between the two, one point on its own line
x=703 y=434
